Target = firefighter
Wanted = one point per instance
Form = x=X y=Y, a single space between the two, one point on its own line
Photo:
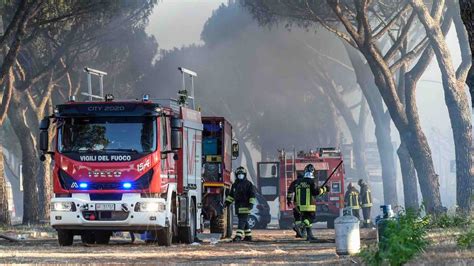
x=243 y=194
x=306 y=192
x=351 y=199
x=365 y=202
x=298 y=225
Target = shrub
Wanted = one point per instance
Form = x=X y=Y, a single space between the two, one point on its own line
x=402 y=239
x=449 y=221
x=466 y=240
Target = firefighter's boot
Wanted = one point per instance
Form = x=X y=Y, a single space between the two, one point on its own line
x=237 y=239
x=299 y=229
x=310 y=237
x=248 y=235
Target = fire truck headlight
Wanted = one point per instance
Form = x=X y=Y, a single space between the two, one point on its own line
x=150 y=207
x=63 y=206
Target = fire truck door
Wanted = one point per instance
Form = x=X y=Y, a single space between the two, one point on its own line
x=192 y=157
x=268 y=179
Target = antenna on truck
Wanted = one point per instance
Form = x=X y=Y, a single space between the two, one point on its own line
x=101 y=75
x=183 y=94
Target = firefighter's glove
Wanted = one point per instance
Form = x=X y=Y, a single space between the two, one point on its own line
x=289 y=203
x=327 y=188
x=227 y=204
x=251 y=206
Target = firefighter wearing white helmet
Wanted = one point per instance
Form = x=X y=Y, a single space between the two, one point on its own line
x=243 y=194
x=306 y=192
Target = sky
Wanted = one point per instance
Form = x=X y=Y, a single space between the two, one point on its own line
x=177 y=23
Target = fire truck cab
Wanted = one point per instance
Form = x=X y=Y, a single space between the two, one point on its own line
x=275 y=177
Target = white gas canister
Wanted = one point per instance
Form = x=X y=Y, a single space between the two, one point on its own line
x=347 y=234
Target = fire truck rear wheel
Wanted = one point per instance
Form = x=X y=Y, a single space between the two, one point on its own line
x=188 y=234
x=65 y=237
x=219 y=224
x=88 y=237
x=103 y=237
x=229 y=223
x=165 y=236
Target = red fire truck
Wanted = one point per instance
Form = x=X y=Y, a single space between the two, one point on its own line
x=275 y=177
x=219 y=149
x=137 y=166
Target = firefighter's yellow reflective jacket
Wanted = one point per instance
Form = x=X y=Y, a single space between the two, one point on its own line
x=365 y=196
x=351 y=199
x=306 y=191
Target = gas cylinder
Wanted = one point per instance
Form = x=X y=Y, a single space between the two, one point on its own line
x=381 y=221
x=347 y=233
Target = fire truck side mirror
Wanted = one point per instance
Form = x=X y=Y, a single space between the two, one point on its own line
x=274 y=170
x=44 y=124
x=44 y=141
x=176 y=139
x=43 y=137
x=235 y=150
x=176 y=135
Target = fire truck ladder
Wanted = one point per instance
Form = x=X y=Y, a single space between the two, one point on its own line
x=291 y=172
x=101 y=75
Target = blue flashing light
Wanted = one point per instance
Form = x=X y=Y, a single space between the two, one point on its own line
x=127 y=185
x=83 y=185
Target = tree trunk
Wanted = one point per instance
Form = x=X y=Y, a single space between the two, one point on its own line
x=358 y=147
x=416 y=142
x=456 y=102
x=365 y=79
x=47 y=189
x=420 y=152
x=4 y=213
x=467 y=15
x=357 y=130
x=410 y=185
x=387 y=160
x=30 y=163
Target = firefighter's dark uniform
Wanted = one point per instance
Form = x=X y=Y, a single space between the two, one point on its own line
x=365 y=202
x=351 y=199
x=306 y=192
x=298 y=224
x=242 y=193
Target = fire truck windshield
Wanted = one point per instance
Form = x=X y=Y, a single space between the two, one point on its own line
x=107 y=134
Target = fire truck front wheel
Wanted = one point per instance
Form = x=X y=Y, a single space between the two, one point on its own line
x=65 y=237
x=102 y=237
x=88 y=237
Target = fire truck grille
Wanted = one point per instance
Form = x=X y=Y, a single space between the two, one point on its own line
x=67 y=182
x=105 y=215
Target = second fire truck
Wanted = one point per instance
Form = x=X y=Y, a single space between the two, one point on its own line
x=275 y=177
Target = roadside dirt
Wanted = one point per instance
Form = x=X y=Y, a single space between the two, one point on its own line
x=269 y=247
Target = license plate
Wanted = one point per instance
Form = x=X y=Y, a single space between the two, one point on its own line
x=105 y=207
